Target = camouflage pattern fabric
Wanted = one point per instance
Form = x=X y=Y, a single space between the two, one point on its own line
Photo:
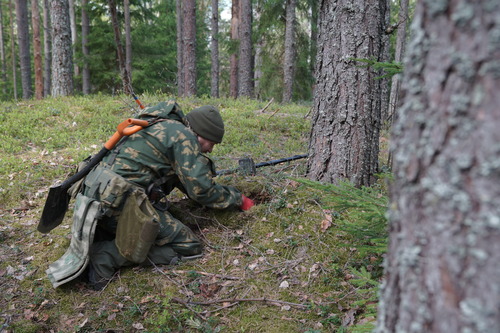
x=169 y=150
x=76 y=258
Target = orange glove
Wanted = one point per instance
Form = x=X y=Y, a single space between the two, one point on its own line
x=247 y=203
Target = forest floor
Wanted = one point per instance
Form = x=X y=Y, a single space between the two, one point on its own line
x=287 y=265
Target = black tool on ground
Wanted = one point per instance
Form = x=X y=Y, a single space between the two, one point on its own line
x=57 y=200
x=248 y=166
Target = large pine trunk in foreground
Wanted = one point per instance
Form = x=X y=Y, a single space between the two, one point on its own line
x=346 y=110
x=442 y=269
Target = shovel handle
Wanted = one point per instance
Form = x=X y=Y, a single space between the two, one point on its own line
x=123 y=129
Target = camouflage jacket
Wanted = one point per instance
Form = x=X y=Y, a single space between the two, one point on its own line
x=168 y=153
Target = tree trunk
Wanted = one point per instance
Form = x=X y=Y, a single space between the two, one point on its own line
x=13 y=50
x=85 y=49
x=37 y=49
x=442 y=272
x=128 y=41
x=119 y=48
x=72 y=20
x=385 y=56
x=189 y=49
x=245 y=73
x=290 y=47
x=346 y=111
x=180 y=49
x=214 y=82
x=314 y=35
x=398 y=57
x=24 y=47
x=47 y=49
x=259 y=44
x=2 y=55
x=235 y=22
x=62 y=53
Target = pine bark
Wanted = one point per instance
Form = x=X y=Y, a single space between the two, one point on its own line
x=189 y=48
x=314 y=35
x=13 y=51
x=62 y=52
x=85 y=49
x=72 y=20
x=47 y=49
x=119 y=48
x=290 y=49
x=214 y=50
x=233 y=62
x=245 y=72
x=398 y=57
x=37 y=49
x=128 y=41
x=180 y=49
x=24 y=47
x=344 y=141
x=2 y=55
x=442 y=272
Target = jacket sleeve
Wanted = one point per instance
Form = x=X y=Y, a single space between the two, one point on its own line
x=195 y=173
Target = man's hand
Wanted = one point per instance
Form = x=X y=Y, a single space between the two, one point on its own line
x=247 y=203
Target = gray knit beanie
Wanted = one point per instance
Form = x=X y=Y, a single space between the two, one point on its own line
x=206 y=121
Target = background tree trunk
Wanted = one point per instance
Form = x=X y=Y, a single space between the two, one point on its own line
x=72 y=20
x=180 y=49
x=214 y=48
x=24 y=47
x=2 y=55
x=385 y=56
x=245 y=73
x=314 y=34
x=259 y=44
x=13 y=50
x=235 y=22
x=119 y=48
x=290 y=47
x=398 y=57
x=37 y=49
x=62 y=53
x=47 y=49
x=442 y=272
x=85 y=49
x=344 y=141
x=189 y=49
x=128 y=41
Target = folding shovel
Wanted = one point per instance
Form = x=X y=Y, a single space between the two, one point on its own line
x=58 y=198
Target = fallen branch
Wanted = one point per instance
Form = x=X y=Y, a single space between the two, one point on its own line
x=180 y=301
x=267 y=105
x=274 y=113
x=220 y=276
x=239 y=300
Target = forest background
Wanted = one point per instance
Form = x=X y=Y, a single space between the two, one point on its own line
x=148 y=42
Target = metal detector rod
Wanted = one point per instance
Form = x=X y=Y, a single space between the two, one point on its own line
x=281 y=160
x=246 y=165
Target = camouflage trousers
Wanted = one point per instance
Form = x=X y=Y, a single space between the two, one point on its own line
x=173 y=241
